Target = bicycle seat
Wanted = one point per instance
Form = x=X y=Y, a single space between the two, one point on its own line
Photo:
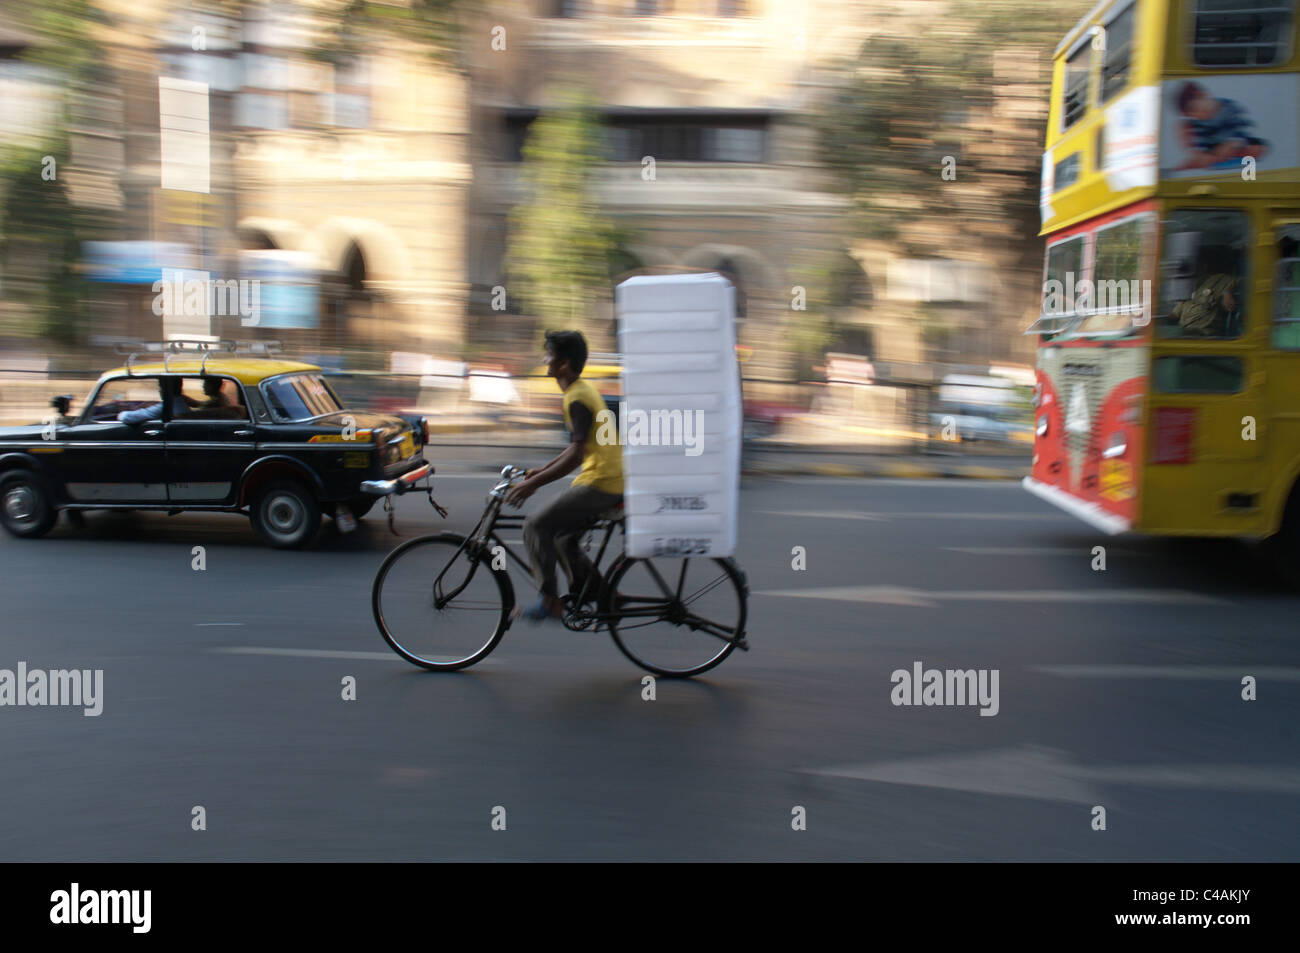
x=612 y=515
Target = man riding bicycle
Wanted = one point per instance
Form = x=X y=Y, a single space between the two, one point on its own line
x=554 y=532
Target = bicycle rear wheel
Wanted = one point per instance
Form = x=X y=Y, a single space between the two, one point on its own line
x=677 y=617
x=424 y=619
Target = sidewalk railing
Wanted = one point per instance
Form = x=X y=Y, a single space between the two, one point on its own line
x=889 y=415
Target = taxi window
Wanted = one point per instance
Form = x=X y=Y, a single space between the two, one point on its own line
x=300 y=397
x=212 y=398
x=123 y=394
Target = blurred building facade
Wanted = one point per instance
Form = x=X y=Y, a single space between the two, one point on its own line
x=713 y=93
x=720 y=94
x=388 y=178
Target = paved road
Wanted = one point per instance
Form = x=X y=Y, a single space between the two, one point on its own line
x=1118 y=688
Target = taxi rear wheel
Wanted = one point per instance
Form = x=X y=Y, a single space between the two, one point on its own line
x=25 y=508
x=285 y=514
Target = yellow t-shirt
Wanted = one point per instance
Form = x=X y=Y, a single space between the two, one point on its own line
x=602 y=458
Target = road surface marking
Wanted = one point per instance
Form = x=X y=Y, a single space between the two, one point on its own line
x=1081 y=551
x=851 y=515
x=1047 y=774
x=1233 y=673
x=218 y=623
x=308 y=653
x=902 y=596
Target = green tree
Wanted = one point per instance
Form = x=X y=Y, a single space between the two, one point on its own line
x=904 y=106
x=560 y=246
x=435 y=24
x=41 y=231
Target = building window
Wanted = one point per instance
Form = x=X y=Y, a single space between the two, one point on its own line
x=261 y=111
x=646 y=8
x=1119 y=54
x=731 y=8
x=672 y=139
x=1242 y=32
x=667 y=138
x=564 y=9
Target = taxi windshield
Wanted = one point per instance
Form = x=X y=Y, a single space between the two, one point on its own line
x=300 y=397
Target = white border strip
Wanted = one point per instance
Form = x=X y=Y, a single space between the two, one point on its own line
x=1090 y=513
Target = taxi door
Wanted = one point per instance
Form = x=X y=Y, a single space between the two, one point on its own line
x=104 y=460
x=209 y=445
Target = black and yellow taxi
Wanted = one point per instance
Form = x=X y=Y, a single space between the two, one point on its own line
x=209 y=428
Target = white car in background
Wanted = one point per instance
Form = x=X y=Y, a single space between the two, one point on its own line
x=976 y=408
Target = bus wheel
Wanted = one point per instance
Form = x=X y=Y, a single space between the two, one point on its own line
x=1283 y=548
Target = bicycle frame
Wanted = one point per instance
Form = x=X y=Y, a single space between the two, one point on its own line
x=485 y=538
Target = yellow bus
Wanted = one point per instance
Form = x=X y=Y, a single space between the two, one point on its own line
x=1168 y=371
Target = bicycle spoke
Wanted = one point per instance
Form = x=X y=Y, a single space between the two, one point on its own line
x=658 y=578
x=434 y=607
x=659 y=633
x=700 y=592
x=704 y=625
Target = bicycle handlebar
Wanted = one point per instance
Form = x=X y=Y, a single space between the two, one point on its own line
x=510 y=475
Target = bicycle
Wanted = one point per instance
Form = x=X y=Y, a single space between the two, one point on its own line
x=426 y=602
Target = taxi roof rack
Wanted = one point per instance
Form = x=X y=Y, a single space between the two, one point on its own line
x=194 y=346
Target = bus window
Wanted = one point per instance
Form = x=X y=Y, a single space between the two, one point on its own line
x=1064 y=271
x=1198 y=375
x=1203 y=274
x=1078 y=68
x=1242 y=32
x=1116 y=286
x=1286 y=289
x=1066 y=173
x=1119 y=54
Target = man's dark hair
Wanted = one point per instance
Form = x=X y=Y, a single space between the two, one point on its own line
x=1189 y=92
x=212 y=386
x=570 y=346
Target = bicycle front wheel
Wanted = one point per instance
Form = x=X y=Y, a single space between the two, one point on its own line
x=677 y=617
x=437 y=606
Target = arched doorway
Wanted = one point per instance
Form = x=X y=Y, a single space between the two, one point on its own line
x=345 y=301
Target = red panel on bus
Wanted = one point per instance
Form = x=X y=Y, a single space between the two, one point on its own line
x=1175 y=431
